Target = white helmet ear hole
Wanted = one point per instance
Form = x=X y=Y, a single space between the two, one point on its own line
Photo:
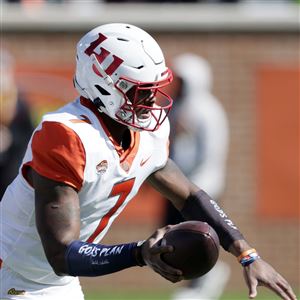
x=99 y=104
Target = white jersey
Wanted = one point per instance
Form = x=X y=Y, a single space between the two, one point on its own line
x=73 y=146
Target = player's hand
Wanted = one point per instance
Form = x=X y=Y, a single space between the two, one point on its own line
x=260 y=273
x=151 y=252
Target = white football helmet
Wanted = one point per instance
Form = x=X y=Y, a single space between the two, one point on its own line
x=121 y=68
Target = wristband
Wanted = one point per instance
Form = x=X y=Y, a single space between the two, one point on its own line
x=248 y=257
x=245 y=253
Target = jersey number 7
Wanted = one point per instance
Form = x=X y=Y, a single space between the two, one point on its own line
x=121 y=189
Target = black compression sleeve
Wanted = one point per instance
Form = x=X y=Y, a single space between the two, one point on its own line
x=202 y=208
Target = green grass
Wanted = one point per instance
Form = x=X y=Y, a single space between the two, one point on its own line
x=139 y=295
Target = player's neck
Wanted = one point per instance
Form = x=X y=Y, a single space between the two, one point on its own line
x=118 y=131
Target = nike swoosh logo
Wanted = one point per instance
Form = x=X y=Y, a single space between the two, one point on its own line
x=84 y=119
x=143 y=161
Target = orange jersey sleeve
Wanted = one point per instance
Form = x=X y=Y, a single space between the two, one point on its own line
x=58 y=154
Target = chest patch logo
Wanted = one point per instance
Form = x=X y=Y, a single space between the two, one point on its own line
x=101 y=168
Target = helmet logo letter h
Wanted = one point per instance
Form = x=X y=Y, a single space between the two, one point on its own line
x=102 y=55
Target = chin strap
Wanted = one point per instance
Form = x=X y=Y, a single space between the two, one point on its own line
x=248 y=257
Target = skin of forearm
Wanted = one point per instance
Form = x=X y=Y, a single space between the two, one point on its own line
x=238 y=247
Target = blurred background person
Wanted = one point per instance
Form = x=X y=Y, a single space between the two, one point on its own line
x=15 y=122
x=199 y=145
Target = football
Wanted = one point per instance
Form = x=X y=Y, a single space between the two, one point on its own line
x=196 y=248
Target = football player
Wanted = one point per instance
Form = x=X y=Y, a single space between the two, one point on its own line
x=87 y=160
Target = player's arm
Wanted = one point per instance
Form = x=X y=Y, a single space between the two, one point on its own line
x=58 y=222
x=57 y=218
x=195 y=204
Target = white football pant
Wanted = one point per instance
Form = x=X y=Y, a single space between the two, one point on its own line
x=15 y=287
